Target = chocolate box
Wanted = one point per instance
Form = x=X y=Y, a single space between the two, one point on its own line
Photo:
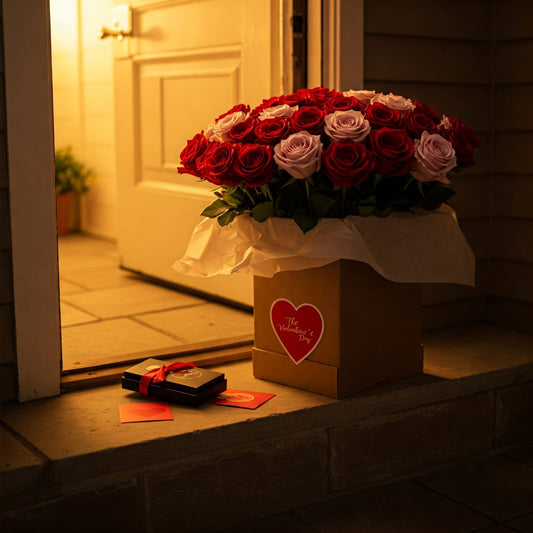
x=192 y=386
x=371 y=329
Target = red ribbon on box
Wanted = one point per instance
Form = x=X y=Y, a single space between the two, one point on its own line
x=159 y=374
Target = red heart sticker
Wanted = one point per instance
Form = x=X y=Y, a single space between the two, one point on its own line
x=299 y=329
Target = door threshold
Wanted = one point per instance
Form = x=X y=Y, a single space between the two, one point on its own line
x=104 y=375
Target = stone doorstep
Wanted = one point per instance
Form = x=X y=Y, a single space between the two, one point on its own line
x=74 y=444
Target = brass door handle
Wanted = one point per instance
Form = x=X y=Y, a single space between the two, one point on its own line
x=118 y=33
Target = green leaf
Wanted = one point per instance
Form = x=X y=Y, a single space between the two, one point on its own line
x=438 y=194
x=321 y=204
x=263 y=211
x=370 y=201
x=383 y=212
x=227 y=217
x=288 y=182
x=305 y=221
x=215 y=209
x=366 y=210
x=231 y=200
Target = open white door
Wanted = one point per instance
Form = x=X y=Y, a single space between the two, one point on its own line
x=186 y=63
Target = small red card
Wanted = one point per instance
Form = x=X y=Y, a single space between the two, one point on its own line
x=244 y=399
x=145 y=412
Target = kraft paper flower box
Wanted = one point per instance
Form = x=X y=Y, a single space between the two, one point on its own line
x=336 y=330
x=188 y=385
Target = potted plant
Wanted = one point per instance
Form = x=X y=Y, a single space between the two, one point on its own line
x=71 y=177
x=337 y=204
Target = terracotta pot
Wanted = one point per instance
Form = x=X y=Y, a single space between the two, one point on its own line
x=64 y=209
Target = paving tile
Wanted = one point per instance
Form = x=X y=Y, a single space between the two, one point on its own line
x=524 y=454
x=495 y=529
x=129 y=300
x=66 y=287
x=514 y=414
x=276 y=523
x=84 y=259
x=378 y=449
x=19 y=467
x=497 y=486
x=101 y=277
x=206 y=322
x=391 y=509
x=523 y=524
x=85 y=439
x=475 y=349
x=78 y=244
x=269 y=477
x=71 y=316
x=111 y=508
x=107 y=340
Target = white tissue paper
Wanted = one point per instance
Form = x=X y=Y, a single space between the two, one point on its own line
x=419 y=247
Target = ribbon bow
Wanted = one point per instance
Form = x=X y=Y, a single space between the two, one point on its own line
x=159 y=374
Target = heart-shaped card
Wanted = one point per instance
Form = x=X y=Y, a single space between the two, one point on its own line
x=298 y=329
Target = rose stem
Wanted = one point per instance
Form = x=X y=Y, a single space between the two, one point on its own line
x=343 y=201
x=266 y=190
x=308 y=190
x=245 y=189
x=409 y=181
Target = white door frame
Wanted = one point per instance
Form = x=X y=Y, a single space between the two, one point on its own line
x=27 y=59
x=30 y=144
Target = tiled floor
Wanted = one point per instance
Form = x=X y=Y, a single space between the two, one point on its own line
x=108 y=314
x=489 y=495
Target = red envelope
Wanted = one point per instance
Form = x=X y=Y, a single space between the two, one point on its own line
x=145 y=412
x=244 y=399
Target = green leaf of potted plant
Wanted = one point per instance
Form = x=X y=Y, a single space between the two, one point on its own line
x=71 y=177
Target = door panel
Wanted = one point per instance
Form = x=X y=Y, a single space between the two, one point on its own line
x=187 y=63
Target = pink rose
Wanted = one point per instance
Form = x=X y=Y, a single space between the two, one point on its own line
x=299 y=154
x=278 y=111
x=219 y=130
x=342 y=125
x=394 y=101
x=363 y=96
x=434 y=158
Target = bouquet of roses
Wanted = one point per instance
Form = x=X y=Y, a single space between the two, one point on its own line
x=321 y=153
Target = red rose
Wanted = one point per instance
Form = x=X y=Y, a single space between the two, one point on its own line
x=216 y=164
x=239 y=107
x=243 y=132
x=429 y=111
x=269 y=102
x=300 y=97
x=320 y=95
x=343 y=103
x=381 y=116
x=393 y=149
x=189 y=155
x=416 y=122
x=347 y=164
x=309 y=118
x=463 y=140
x=255 y=164
x=272 y=130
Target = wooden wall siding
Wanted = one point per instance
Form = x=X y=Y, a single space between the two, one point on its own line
x=440 y=53
x=8 y=362
x=511 y=291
